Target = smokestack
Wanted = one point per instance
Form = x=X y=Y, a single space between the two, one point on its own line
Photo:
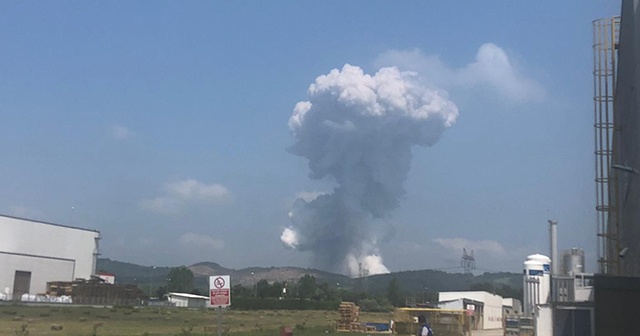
x=553 y=239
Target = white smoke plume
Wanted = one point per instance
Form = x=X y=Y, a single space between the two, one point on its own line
x=359 y=129
x=289 y=238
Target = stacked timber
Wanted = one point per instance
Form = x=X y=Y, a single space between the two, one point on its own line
x=348 y=320
x=59 y=288
x=96 y=292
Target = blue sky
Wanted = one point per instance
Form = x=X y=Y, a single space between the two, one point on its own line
x=164 y=124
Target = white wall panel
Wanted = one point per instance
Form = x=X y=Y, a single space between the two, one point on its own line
x=492 y=318
x=49 y=248
x=42 y=270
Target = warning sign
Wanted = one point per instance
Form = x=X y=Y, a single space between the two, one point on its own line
x=219 y=282
x=220 y=290
x=220 y=297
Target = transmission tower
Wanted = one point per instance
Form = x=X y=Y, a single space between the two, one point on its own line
x=468 y=261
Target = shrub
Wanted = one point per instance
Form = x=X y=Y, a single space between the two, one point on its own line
x=95 y=328
x=57 y=327
x=187 y=331
x=23 y=330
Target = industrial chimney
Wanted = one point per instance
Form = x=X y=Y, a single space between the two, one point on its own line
x=553 y=239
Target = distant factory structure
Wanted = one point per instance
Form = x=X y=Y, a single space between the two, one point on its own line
x=572 y=262
x=560 y=302
x=33 y=253
x=566 y=300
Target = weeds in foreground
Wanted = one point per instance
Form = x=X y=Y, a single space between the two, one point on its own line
x=23 y=331
x=187 y=331
x=96 y=326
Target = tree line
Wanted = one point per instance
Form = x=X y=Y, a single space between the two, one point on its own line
x=308 y=293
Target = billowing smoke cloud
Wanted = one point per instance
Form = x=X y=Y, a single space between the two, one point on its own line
x=289 y=238
x=359 y=130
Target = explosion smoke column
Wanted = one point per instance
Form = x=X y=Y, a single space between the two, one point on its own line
x=359 y=130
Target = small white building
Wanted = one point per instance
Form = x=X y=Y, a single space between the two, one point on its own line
x=512 y=306
x=475 y=310
x=107 y=277
x=492 y=306
x=188 y=300
x=33 y=253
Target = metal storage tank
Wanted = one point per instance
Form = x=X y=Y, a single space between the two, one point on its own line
x=536 y=282
x=573 y=262
x=544 y=260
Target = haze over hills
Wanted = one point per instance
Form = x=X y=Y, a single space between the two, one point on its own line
x=138 y=274
x=417 y=281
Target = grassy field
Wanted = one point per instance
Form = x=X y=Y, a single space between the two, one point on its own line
x=16 y=320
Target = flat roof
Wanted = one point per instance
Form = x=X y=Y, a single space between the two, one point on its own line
x=48 y=223
x=190 y=296
x=479 y=303
x=410 y=309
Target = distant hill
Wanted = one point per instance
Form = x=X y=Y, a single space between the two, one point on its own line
x=125 y=269
x=144 y=275
x=249 y=276
x=409 y=281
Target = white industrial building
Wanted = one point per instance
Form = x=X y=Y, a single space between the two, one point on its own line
x=188 y=300
x=33 y=253
x=491 y=310
x=475 y=310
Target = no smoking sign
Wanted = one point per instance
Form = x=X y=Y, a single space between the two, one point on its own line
x=219 y=282
x=220 y=290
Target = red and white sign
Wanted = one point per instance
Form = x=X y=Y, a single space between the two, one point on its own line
x=471 y=309
x=220 y=290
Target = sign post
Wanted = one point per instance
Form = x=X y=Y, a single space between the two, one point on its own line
x=220 y=295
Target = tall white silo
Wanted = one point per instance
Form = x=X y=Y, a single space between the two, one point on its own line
x=536 y=282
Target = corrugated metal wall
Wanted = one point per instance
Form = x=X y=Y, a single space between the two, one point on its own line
x=628 y=138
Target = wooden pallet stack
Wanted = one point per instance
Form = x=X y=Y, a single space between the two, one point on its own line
x=59 y=288
x=348 y=320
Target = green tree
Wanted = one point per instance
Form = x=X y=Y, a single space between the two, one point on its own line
x=505 y=291
x=161 y=291
x=241 y=291
x=307 y=287
x=275 y=290
x=180 y=280
x=262 y=288
x=483 y=286
x=393 y=293
x=323 y=292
